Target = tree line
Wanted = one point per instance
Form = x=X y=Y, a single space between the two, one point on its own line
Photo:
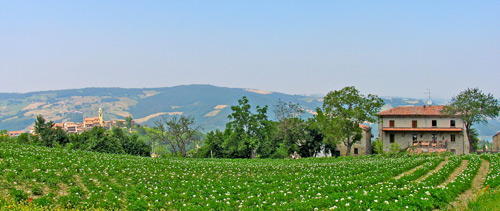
x=248 y=134
x=251 y=134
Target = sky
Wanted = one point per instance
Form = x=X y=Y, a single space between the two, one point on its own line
x=387 y=48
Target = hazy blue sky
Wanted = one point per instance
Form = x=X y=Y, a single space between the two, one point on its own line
x=388 y=48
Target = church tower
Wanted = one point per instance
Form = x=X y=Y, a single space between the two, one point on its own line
x=100 y=118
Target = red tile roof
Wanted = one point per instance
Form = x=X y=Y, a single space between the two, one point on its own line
x=434 y=110
x=15 y=133
x=422 y=129
x=364 y=127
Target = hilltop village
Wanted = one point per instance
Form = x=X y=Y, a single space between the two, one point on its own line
x=89 y=123
x=79 y=127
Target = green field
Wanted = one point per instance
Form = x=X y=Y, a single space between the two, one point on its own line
x=58 y=178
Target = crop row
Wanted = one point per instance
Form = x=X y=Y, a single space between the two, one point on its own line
x=65 y=178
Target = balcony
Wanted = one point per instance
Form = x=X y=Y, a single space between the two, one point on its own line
x=422 y=129
x=429 y=146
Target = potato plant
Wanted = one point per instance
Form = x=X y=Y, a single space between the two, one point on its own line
x=79 y=179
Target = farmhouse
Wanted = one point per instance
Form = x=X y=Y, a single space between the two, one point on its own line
x=496 y=142
x=362 y=147
x=422 y=129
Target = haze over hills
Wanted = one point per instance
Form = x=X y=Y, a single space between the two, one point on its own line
x=209 y=105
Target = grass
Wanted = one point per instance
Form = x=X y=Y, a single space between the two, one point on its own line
x=488 y=200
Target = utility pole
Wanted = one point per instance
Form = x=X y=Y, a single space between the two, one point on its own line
x=428 y=92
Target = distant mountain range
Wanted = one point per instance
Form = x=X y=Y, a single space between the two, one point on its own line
x=209 y=105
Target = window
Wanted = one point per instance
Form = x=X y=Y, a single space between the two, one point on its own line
x=434 y=123
x=391 y=123
x=452 y=123
x=414 y=124
x=391 y=138
x=355 y=151
x=452 y=138
x=454 y=151
x=414 y=138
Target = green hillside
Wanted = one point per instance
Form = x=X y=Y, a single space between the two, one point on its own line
x=210 y=105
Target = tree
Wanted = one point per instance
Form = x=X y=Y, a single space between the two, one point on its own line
x=343 y=111
x=49 y=136
x=178 y=132
x=98 y=140
x=474 y=137
x=378 y=147
x=182 y=132
x=4 y=136
x=213 y=145
x=128 y=122
x=312 y=141
x=159 y=134
x=246 y=130
x=289 y=125
x=473 y=106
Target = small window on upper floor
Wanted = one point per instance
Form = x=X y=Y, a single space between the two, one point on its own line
x=414 y=124
x=452 y=138
x=391 y=123
x=452 y=123
x=434 y=123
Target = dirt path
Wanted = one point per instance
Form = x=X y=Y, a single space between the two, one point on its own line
x=439 y=167
x=408 y=172
x=462 y=201
x=456 y=172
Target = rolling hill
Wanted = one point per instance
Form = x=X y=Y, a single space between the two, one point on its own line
x=209 y=105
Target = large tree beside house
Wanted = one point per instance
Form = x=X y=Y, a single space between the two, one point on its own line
x=342 y=113
x=473 y=106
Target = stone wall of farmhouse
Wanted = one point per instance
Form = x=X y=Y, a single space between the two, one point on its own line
x=496 y=142
x=362 y=147
x=405 y=140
